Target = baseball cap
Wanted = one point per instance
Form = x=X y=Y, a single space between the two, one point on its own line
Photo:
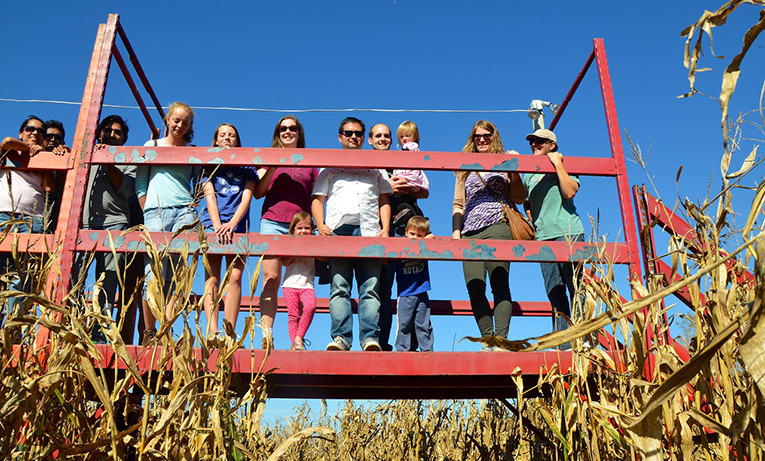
x=542 y=134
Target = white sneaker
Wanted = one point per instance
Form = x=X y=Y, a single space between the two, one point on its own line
x=372 y=346
x=337 y=345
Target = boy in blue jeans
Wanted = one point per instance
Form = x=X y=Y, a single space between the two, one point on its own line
x=413 y=304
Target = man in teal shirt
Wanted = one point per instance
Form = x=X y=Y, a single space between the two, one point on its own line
x=551 y=200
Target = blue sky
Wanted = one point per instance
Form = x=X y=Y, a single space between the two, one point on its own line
x=492 y=55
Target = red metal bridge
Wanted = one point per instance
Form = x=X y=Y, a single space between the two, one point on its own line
x=320 y=373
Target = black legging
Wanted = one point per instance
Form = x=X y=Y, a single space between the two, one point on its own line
x=475 y=279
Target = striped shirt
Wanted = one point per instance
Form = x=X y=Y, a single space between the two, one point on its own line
x=481 y=206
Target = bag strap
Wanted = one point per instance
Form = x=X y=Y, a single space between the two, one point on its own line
x=492 y=192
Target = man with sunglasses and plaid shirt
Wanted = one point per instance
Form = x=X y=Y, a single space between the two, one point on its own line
x=357 y=202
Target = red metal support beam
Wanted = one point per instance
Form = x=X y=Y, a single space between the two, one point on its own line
x=571 y=92
x=140 y=72
x=134 y=89
x=437 y=307
x=329 y=158
x=615 y=137
x=73 y=199
x=377 y=375
x=439 y=248
x=70 y=215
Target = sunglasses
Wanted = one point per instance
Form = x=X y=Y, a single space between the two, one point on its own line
x=57 y=137
x=538 y=141
x=482 y=136
x=350 y=133
x=286 y=128
x=32 y=129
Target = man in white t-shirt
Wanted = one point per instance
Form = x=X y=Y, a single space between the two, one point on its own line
x=357 y=201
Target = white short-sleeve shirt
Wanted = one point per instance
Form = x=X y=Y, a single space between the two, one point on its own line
x=353 y=197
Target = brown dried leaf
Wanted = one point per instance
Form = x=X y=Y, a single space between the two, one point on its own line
x=753 y=341
x=324 y=433
x=732 y=72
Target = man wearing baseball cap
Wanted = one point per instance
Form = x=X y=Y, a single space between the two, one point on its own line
x=551 y=200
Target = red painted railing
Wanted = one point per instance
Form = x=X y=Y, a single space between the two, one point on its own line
x=85 y=153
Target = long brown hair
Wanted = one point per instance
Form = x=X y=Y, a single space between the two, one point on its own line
x=496 y=146
x=277 y=140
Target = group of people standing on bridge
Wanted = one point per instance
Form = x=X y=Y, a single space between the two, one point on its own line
x=301 y=201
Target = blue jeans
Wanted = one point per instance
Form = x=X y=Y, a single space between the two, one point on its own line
x=559 y=276
x=165 y=220
x=6 y=261
x=107 y=264
x=367 y=280
x=387 y=276
x=414 y=322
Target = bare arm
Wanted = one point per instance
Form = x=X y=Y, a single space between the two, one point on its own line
x=49 y=182
x=317 y=210
x=16 y=144
x=212 y=204
x=115 y=175
x=226 y=230
x=264 y=175
x=385 y=214
x=527 y=209
x=458 y=208
x=456 y=223
x=11 y=143
x=568 y=187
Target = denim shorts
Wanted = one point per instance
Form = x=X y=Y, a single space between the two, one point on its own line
x=168 y=219
x=269 y=227
x=37 y=223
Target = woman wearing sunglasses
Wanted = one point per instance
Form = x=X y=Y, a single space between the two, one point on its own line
x=22 y=192
x=477 y=213
x=287 y=191
x=22 y=196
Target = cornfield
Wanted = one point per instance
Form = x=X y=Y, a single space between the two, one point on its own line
x=61 y=404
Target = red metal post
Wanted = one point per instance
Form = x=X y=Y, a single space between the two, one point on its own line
x=139 y=71
x=136 y=94
x=70 y=218
x=615 y=137
x=571 y=91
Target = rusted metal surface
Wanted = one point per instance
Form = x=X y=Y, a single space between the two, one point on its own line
x=378 y=375
x=331 y=158
x=73 y=199
x=439 y=248
x=615 y=138
x=42 y=161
